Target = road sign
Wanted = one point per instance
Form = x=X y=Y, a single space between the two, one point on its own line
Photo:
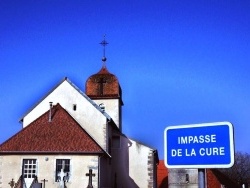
x=207 y=145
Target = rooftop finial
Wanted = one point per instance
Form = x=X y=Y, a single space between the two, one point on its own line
x=104 y=43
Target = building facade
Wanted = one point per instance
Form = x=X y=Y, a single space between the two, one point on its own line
x=74 y=139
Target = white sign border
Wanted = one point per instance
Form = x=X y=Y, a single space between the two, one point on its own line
x=231 y=138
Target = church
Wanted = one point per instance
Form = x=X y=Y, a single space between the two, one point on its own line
x=72 y=138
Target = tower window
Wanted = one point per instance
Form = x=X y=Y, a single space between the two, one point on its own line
x=74 y=107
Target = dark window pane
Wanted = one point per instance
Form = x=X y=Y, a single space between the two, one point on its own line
x=62 y=164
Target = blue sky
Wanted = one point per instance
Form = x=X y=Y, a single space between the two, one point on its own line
x=178 y=62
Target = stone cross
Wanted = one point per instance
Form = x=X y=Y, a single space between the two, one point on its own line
x=90 y=174
x=44 y=180
x=61 y=175
x=12 y=183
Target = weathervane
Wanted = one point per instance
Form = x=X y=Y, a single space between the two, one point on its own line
x=104 y=43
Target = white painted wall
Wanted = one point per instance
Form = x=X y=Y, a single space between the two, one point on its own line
x=139 y=165
x=91 y=119
x=11 y=165
x=112 y=107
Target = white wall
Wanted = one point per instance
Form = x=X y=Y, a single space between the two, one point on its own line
x=112 y=107
x=141 y=164
x=11 y=167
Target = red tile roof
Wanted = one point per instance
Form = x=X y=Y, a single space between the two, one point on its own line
x=212 y=181
x=63 y=134
x=94 y=83
x=162 y=175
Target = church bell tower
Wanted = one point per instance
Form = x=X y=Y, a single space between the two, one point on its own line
x=104 y=88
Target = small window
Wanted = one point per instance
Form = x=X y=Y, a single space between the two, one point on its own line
x=29 y=168
x=62 y=170
x=74 y=107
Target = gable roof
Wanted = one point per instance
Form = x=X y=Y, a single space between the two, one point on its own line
x=62 y=135
x=77 y=89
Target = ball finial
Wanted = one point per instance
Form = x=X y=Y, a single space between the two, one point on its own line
x=104 y=59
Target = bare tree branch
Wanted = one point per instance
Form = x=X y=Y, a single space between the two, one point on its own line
x=240 y=172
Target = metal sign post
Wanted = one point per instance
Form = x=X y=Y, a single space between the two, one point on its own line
x=201 y=178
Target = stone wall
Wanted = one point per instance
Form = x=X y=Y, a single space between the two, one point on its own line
x=182 y=178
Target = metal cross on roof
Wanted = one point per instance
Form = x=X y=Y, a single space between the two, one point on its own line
x=104 y=43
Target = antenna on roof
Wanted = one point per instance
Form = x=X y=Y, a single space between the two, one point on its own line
x=104 y=43
x=50 y=109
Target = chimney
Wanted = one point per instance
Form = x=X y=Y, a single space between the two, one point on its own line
x=50 y=109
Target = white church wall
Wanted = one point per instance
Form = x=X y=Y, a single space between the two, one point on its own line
x=112 y=108
x=7 y=168
x=141 y=164
x=92 y=120
x=11 y=165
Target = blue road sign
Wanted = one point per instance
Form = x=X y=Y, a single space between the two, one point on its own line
x=207 y=145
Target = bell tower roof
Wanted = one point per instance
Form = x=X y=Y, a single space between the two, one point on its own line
x=103 y=84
